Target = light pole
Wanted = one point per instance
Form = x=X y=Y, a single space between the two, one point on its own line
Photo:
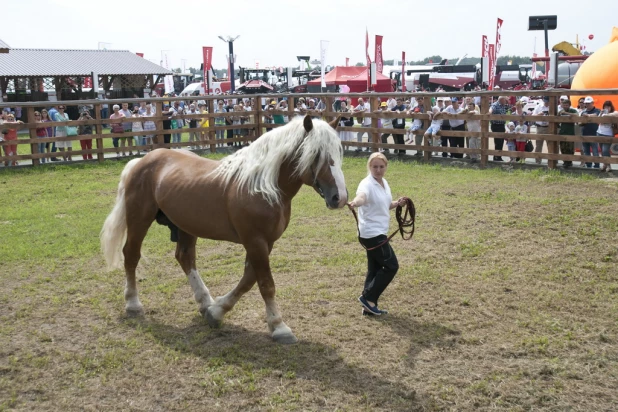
x=230 y=42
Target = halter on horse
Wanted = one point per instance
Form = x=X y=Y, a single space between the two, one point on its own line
x=245 y=198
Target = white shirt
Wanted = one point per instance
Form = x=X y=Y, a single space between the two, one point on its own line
x=605 y=128
x=374 y=216
x=474 y=125
x=451 y=110
x=364 y=108
x=539 y=111
x=437 y=123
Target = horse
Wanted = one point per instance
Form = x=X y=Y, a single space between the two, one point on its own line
x=245 y=198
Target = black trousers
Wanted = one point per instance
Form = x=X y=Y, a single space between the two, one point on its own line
x=167 y=125
x=399 y=138
x=444 y=139
x=382 y=266
x=498 y=143
x=457 y=141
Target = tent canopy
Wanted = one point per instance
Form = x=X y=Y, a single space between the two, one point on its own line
x=355 y=77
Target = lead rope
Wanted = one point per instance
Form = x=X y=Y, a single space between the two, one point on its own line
x=405 y=222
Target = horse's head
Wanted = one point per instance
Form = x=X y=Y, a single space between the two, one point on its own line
x=323 y=156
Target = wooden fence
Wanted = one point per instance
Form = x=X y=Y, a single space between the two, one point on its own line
x=257 y=125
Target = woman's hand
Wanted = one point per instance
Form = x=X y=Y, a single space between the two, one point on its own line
x=351 y=205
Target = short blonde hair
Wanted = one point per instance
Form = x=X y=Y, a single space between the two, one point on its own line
x=376 y=155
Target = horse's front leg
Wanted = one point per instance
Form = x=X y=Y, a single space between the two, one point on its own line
x=258 y=256
x=185 y=254
x=224 y=304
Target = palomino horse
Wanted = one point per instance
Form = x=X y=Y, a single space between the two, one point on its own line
x=245 y=198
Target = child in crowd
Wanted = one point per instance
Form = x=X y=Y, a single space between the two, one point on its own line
x=474 y=126
x=137 y=126
x=237 y=120
x=416 y=125
x=510 y=143
x=433 y=130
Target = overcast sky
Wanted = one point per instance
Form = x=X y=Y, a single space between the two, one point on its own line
x=274 y=32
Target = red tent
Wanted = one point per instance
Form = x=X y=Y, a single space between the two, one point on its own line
x=354 y=77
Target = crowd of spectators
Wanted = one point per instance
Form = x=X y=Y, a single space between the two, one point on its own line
x=134 y=118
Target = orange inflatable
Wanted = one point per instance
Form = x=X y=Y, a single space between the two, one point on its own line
x=600 y=71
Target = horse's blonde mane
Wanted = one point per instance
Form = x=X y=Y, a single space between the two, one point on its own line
x=256 y=168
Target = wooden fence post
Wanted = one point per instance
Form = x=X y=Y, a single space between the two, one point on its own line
x=291 y=106
x=99 y=131
x=552 y=145
x=258 y=117
x=211 y=122
x=427 y=149
x=484 y=131
x=158 y=138
x=374 y=105
x=34 y=147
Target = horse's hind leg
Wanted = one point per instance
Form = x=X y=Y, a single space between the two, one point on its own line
x=185 y=254
x=136 y=232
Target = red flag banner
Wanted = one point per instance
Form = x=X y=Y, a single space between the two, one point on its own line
x=485 y=50
x=207 y=52
x=140 y=55
x=88 y=82
x=403 y=71
x=378 y=54
x=492 y=66
x=498 y=38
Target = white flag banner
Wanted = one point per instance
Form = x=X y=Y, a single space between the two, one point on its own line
x=169 y=79
x=323 y=48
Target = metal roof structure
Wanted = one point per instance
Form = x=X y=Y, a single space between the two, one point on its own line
x=51 y=63
x=4 y=48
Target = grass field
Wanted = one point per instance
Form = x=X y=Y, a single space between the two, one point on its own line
x=506 y=299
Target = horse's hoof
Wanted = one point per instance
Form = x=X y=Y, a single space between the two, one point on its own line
x=135 y=312
x=213 y=322
x=285 y=339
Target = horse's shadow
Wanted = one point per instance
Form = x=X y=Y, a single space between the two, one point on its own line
x=306 y=359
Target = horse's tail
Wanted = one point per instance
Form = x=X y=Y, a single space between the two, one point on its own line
x=114 y=232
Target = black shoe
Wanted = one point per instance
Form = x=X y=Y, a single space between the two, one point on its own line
x=367 y=313
x=54 y=159
x=498 y=159
x=372 y=309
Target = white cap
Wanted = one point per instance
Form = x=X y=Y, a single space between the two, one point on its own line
x=564 y=98
x=524 y=99
x=588 y=99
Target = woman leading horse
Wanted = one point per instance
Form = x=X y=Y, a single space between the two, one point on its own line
x=245 y=198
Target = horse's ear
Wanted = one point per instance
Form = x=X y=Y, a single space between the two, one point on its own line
x=335 y=122
x=308 y=123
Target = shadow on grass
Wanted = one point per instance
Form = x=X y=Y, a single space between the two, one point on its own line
x=306 y=360
x=419 y=334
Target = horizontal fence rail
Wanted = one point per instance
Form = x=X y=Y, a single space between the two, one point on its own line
x=210 y=134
